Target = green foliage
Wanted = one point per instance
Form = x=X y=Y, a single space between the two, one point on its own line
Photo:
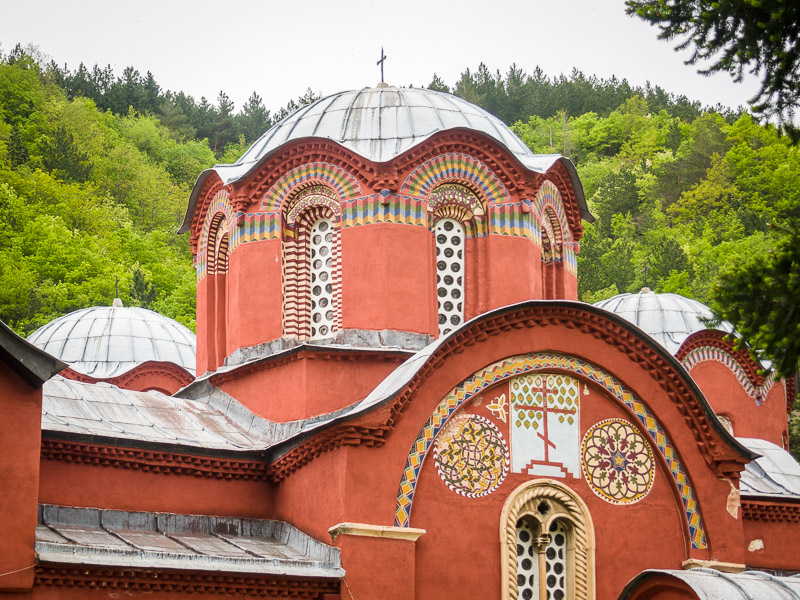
x=761 y=298
x=761 y=36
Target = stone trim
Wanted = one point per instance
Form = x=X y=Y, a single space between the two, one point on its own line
x=725 y=567
x=563 y=504
x=380 y=531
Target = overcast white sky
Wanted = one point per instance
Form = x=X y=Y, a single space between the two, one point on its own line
x=279 y=49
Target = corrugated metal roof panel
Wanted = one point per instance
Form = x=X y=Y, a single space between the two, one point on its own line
x=775 y=473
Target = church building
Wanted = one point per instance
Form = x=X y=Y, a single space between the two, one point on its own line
x=395 y=394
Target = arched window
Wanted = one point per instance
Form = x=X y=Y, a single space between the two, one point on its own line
x=449 y=273
x=217 y=248
x=552 y=255
x=547 y=544
x=311 y=265
x=320 y=258
x=456 y=214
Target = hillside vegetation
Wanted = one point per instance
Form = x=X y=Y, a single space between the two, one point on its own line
x=96 y=170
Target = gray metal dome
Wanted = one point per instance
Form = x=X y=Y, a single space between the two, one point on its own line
x=107 y=341
x=381 y=123
x=667 y=318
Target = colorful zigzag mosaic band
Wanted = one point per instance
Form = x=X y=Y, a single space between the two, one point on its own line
x=255 y=227
x=705 y=353
x=518 y=365
x=375 y=209
x=509 y=219
x=344 y=184
x=455 y=167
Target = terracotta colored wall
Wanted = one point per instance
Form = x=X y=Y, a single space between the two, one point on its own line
x=128 y=489
x=779 y=539
x=387 y=275
x=309 y=386
x=459 y=555
x=205 y=327
x=727 y=397
x=254 y=294
x=20 y=435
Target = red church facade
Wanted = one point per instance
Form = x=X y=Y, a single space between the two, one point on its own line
x=398 y=395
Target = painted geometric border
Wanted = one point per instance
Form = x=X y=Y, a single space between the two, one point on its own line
x=455 y=167
x=705 y=353
x=340 y=180
x=550 y=197
x=517 y=365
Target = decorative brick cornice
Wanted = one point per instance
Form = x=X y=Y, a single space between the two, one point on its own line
x=167 y=463
x=754 y=510
x=161 y=582
x=372 y=428
x=127 y=380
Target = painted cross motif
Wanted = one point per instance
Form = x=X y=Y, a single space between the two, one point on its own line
x=545 y=425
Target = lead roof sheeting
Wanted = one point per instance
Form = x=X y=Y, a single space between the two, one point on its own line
x=775 y=473
x=108 y=341
x=163 y=540
x=107 y=411
x=382 y=123
x=667 y=318
x=709 y=584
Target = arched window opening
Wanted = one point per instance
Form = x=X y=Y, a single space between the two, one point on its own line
x=311 y=265
x=552 y=255
x=456 y=213
x=541 y=560
x=547 y=544
x=321 y=267
x=450 y=236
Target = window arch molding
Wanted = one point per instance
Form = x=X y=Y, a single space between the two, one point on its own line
x=562 y=505
x=306 y=210
x=454 y=200
x=217 y=246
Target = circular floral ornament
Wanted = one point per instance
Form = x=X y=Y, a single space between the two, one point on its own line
x=617 y=462
x=471 y=456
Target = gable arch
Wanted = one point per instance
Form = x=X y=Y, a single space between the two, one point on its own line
x=311 y=174
x=546 y=361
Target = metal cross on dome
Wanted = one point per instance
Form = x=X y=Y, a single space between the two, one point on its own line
x=380 y=62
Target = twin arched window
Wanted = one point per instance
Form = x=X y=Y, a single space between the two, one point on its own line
x=547 y=543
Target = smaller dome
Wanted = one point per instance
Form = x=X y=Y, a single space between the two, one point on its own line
x=667 y=318
x=107 y=341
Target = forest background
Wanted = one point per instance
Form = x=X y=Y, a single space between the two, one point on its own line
x=96 y=170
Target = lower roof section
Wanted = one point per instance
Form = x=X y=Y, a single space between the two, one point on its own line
x=141 y=540
x=710 y=584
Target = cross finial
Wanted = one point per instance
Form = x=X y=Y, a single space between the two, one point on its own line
x=380 y=62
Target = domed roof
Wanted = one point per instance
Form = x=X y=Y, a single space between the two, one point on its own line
x=668 y=318
x=107 y=341
x=381 y=123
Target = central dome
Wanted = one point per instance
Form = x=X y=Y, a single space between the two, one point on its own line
x=381 y=123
